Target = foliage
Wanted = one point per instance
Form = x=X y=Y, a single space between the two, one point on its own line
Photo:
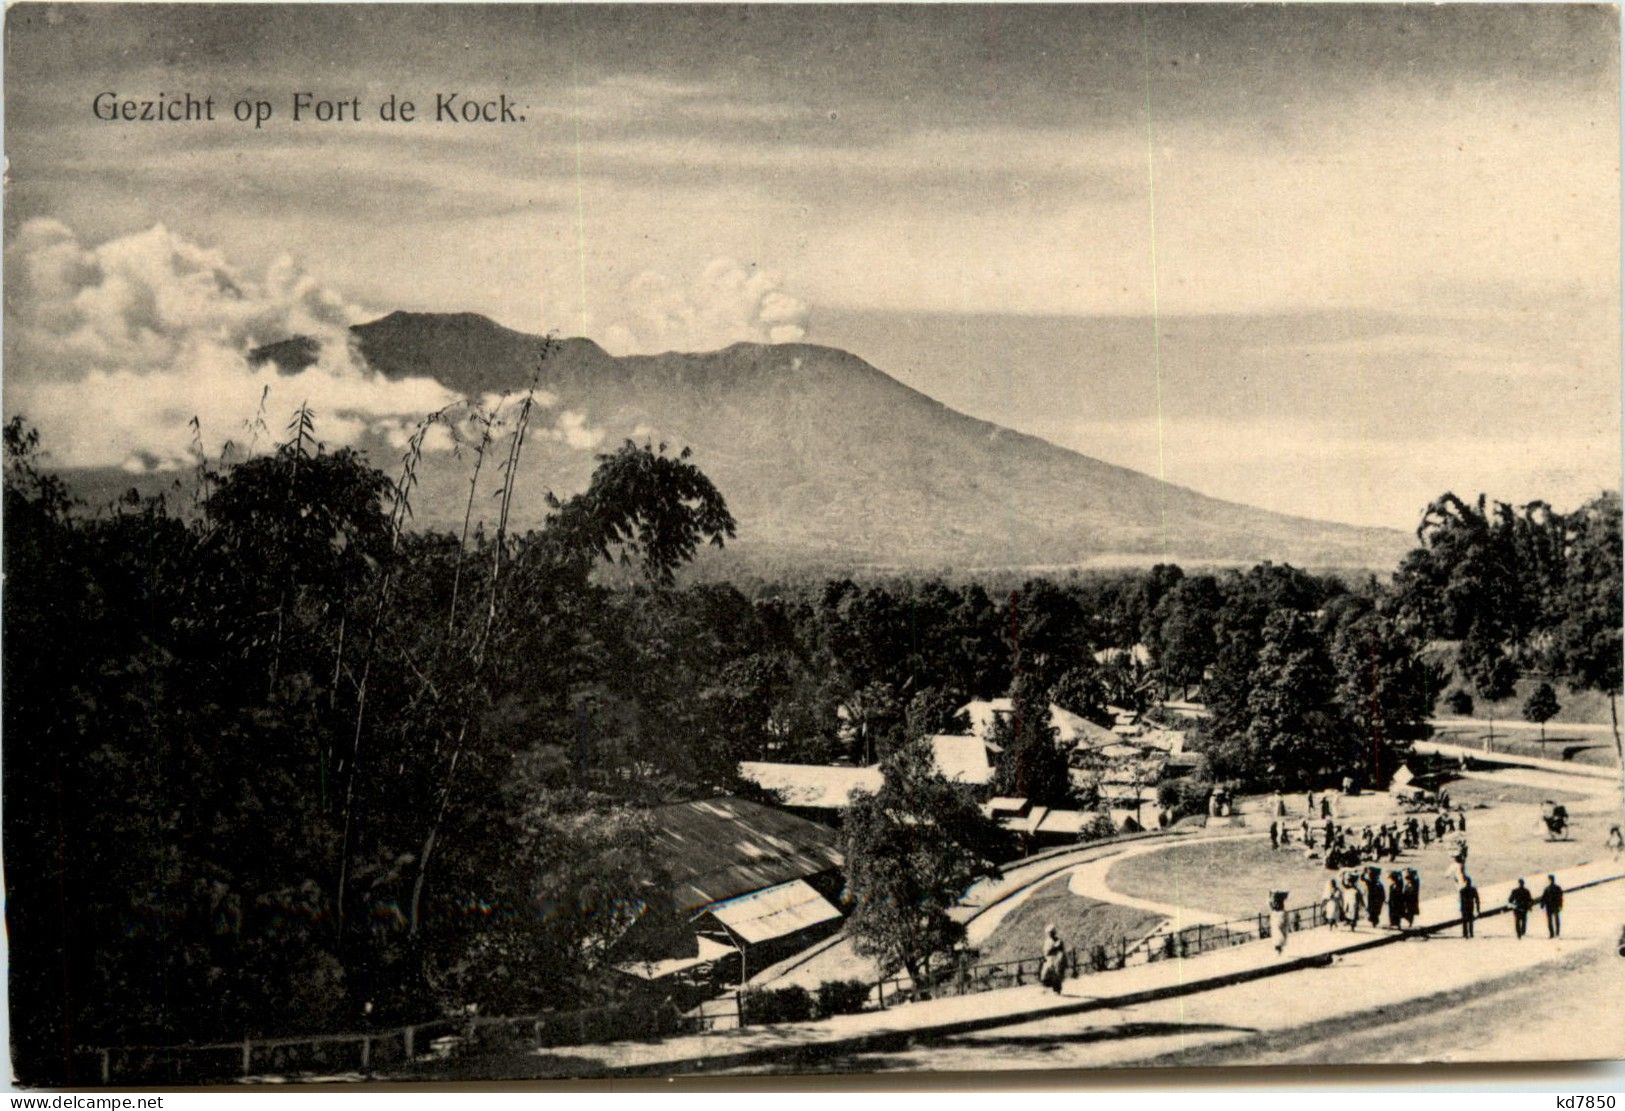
x=787 y=1004
x=911 y=850
x=1541 y=706
x=1030 y=765
x=842 y=997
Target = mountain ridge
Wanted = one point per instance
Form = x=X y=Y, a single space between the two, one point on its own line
x=826 y=458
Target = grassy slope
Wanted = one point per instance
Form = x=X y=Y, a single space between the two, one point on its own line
x=1082 y=923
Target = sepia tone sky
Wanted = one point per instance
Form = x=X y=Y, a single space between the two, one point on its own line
x=1328 y=260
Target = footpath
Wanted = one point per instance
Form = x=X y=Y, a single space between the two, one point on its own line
x=787 y=1044
x=1512 y=759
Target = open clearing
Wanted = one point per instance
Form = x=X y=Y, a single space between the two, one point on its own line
x=1081 y=921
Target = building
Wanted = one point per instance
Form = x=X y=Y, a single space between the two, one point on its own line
x=817 y=791
x=962 y=759
x=1070 y=729
x=748 y=885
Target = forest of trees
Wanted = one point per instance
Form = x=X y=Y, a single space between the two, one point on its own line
x=275 y=756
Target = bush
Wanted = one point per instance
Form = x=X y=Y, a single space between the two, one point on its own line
x=1184 y=796
x=842 y=997
x=1096 y=828
x=791 y=1004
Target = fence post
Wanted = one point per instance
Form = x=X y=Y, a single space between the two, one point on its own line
x=880 y=993
x=366 y=1051
x=107 y=1066
x=408 y=1032
x=248 y=1057
x=1122 y=952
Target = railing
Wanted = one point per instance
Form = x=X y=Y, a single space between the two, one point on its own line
x=1191 y=941
x=371 y=1050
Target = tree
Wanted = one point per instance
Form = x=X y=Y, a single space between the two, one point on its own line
x=1589 y=648
x=1485 y=663
x=1183 y=631
x=1385 y=688
x=912 y=849
x=1540 y=707
x=1030 y=765
x=1082 y=691
x=1295 y=735
x=1460 y=703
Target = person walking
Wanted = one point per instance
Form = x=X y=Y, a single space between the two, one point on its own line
x=1278 y=926
x=1374 y=897
x=1468 y=896
x=1275 y=834
x=1413 y=896
x=1353 y=899
x=1326 y=806
x=1280 y=805
x=1520 y=901
x=1461 y=820
x=1309 y=805
x=1551 y=901
x=1332 y=902
x=1053 y=971
x=1615 y=842
x=1396 y=900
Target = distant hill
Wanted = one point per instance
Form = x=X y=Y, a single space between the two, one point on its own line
x=826 y=460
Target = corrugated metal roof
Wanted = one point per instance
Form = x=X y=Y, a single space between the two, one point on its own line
x=815 y=786
x=774 y=912
x=723 y=847
x=655 y=970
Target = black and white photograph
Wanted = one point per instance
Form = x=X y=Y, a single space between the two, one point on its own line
x=601 y=542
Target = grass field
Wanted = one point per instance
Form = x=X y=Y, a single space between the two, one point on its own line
x=1234 y=877
x=1082 y=922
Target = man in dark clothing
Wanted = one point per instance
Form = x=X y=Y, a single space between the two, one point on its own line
x=1373 y=897
x=1551 y=901
x=1520 y=901
x=1469 y=905
x=1396 y=900
x=1326 y=806
x=1413 y=896
x=1275 y=835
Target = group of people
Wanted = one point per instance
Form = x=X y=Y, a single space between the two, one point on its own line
x=1521 y=901
x=1340 y=847
x=1360 y=894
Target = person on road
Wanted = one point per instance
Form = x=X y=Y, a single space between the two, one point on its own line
x=1520 y=901
x=1278 y=926
x=1275 y=834
x=1280 y=805
x=1396 y=899
x=1326 y=806
x=1332 y=903
x=1615 y=842
x=1053 y=971
x=1374 y=897
x=1469 y=906
x=1413 y=896
x=1551 y=901
x=1353 y=899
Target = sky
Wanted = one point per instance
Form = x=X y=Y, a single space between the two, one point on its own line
x=1328 y=260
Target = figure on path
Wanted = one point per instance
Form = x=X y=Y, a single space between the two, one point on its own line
x=1520 y=901
x=1616 y=841
x=1332 y=903
x=1275 y=834
x=1353 y=899
x=1374 y=897
x=1326 y=806
x=1278 y=927
x=1396 y=899
x=1053 y=971
x=1413 y=896
x=1469 y=906
x=1551 y=901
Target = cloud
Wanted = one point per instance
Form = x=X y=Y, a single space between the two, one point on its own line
x=727 y=303
x=114 y=349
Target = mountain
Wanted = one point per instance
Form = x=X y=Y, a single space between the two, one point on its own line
x=826 y=460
